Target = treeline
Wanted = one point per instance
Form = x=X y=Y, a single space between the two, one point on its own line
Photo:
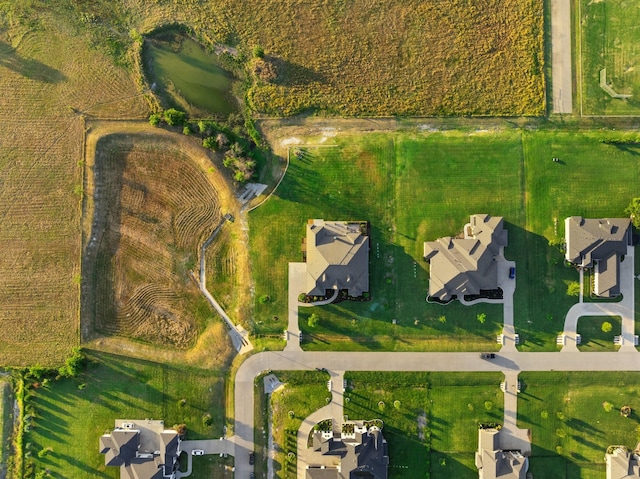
x=236 y=140
x=620 y=141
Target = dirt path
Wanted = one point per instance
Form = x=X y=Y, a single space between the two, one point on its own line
x=561 y=56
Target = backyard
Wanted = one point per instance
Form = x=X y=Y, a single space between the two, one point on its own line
x=418 y=187
x=69 y=415
x=609 y=53
x=574 y=417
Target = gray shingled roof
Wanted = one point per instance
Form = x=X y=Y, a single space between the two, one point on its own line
x=365 y=458
x=337 y=257
x=621 y=464
x=119 y=447
x=598 y=243
x=493 y=463
x=464 y=266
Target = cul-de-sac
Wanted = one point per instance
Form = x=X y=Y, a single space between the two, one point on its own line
x=319 y=239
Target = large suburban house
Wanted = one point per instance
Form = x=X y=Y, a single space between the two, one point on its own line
x=599 y=244
x=337 y=256
x=494 y=463
x=142 y=449
x=621 y=463
x=361 y=450
x=468 y=265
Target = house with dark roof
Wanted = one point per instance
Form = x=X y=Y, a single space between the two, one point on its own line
x=494 y=463
x=362 y=452
x=142 y=449
x=468 y=265
x=599 y=244
x=622 y=463
x=337 y=256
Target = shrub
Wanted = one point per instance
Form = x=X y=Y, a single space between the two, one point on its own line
x=606 y=327
x=573 y=288
x=258 y=51
x=210 y=142
x=186 y=130
x=207 y=420
x=381 y=405
x=174 y=117
x=482 y=317
x=633 y=210
x=488 y=405
x=265 y=298
x=442 y=319
x=607 y=406
x=154 y=119
x=313 y=320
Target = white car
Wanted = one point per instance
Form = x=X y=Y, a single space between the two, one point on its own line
x=197 y=452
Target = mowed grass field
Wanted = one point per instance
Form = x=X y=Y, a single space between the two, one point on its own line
x=432 y=429
x=609 y=39
x=44 y=88
x=71 y=414
x=418 y=187
x=154 y=206
x=570 y=426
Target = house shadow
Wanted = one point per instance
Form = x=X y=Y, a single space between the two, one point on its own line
x=28 y=67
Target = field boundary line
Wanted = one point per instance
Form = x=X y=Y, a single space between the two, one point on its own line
x=579 y=27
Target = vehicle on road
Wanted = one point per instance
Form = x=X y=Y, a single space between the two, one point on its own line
x=252 y=458
x=197 y=452
x=488 y=355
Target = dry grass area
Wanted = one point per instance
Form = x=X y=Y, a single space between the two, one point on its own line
x=48 y=73
x=153 y=207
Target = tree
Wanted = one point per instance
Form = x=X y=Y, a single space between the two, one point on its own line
x=222 y=140
x=154 y=119
x=606 y=327
x=633 y=210
x=73 y=365
x=181 y=429
x=573 y=288
x=210 y=143
x=174 y=117
x=313 y=320
x=482 y=317
x=258 y=51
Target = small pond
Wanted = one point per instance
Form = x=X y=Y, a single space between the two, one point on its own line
x=187 y=74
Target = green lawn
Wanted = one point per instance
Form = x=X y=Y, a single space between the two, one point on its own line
x=418 y=187
x=569 y=425
x=593 y=337
x=610 y=39
x=304 y=392
x=71 y=414
x=432 y=430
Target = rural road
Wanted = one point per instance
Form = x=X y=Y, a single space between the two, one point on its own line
x=397 y=361
x=561 y=79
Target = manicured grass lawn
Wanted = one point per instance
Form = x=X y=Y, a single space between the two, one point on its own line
x=418 y=187
x=610 y=39
x=304 y=392
x=433 y=431
x=71 y=414
x=593 y=337
x=570 y=427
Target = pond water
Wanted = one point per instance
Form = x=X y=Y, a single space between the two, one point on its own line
x=186 y=72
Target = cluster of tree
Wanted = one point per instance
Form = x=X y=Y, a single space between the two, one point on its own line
x=171 y=117
x=73 y=365
x=633 y=210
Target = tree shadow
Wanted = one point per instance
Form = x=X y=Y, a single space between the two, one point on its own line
x=293 y=74
x=28 y=67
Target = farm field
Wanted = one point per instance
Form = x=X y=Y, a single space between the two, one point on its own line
x=45 y=93
x=417 y=187
x=574 y=417
x=148 y=224
x=71 y=414
x=433 y=426
x=609 y=41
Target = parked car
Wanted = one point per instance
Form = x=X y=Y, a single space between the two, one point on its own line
x=197 y=452
x=252 y=458
x=512 y=272
x=488 y=355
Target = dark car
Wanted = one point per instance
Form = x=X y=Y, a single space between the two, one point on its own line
x=252 y=475
x=512 y=272
x=252 y=458
x=488 y=356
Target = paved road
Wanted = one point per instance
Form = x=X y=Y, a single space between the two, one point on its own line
x=561 y=80
x=398 y=361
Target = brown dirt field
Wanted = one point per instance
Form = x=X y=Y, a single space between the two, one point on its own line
x=47 y=74
x=154 y=196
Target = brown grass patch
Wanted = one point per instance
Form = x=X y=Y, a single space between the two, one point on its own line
x=154 y=206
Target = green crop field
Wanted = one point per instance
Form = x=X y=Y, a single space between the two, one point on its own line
x=574 y=417
x=609 y=40
x=417 y=187
x=430 y=419
x=69 y=415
